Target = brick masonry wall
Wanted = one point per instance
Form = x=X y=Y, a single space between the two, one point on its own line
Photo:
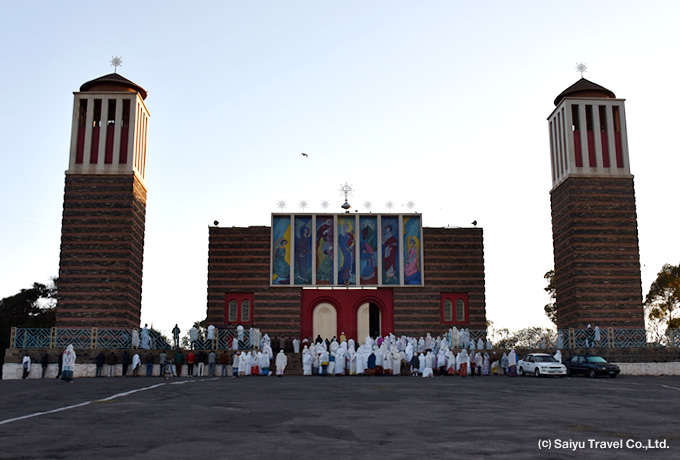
x=102 y=251
x=239 y=261
x=597 y=257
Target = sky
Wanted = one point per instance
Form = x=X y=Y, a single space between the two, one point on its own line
x=442 y=103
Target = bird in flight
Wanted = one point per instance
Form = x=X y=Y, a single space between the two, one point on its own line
x=304 y=155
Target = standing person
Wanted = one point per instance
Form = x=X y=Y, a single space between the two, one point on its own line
x=193 y=337
x=126 y=362
x=236 y=359
x=224 y=361
x=201 y=359
x=99 y=362
x=136 y=362
x=26 y=364
x=281 y=363
x=146 y=338
x=179 y=360
x=596 y=335
x=296 y=345
x=111 y=361
x=175 y=336
x=44 y=361
x=211 y=335
x=163 y=360
x=191 y=358
x=240 y=331
x=69 y=364
x=60 y=364
x=512 y=363
x=149 y=364
x=212 y=358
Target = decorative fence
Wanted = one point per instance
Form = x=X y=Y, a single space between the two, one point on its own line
x=230 y=338
x=94 y=338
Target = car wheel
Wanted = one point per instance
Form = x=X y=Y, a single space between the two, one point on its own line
x=591 y=373
x=537 y=373
x=568 y=372
x=521 y=372
x=612 y=376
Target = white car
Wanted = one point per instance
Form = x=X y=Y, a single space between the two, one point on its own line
x=540 y=364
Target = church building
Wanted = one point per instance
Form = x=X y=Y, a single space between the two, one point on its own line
x=358 y=274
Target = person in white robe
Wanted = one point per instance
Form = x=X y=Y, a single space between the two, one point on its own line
x=306 y=361
x=331 y=363
x=316 y=362
x=334 y=345
x=136 y=362
x=421 y=368
x=480 y=344
x=428 y=372
x=146 y=339
x=428 y=342
x=387 y=362
x=486 y=365
x=242 y=364
x=489 y=344
x=340 y=358
x=396 y=361
x=352 y=362
x=379 y=360
x=479 y=362
x=361 y=362
x=409 y=351
x=421 y=345
x=450 y=362
x=558 y=356
x=512 y=363
x=296 y=345
x=464 y=362
x=249 y=364
x=263 y=362
x=351 y=346
x=135 y=338
x=68 y=364
x=504 y=363
x=429 y=361
x=267 y=350
x=281 y=363
x=211 y=333
x=26 y=365
x=323 y=362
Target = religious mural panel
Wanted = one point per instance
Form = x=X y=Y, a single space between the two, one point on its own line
x=303 y=250
x=390 y=250
x=280 y=250
x=412 y=259
x=324 y=249
x=346 y=251
x=368 y=247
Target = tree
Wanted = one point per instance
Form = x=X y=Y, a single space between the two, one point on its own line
x=551 y=308
x=33 y=307
x=530 y=337
x=663 y=298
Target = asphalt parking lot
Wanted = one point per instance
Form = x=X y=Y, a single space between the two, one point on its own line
x=340 y=417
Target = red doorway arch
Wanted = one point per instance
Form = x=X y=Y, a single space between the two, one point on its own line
x=346 y=303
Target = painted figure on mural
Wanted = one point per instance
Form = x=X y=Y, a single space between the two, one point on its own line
x=346 y=244
x=369 y=269
x=390 y=248
x=281 y=266
x=324 y=252
x=303 y=256
x=412 y=266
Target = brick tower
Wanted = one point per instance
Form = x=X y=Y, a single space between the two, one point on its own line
x=594 y=220
x=102 y=233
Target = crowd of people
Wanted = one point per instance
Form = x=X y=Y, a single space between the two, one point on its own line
x=454 y=353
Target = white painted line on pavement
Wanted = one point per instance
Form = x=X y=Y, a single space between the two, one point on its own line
x=61 y=409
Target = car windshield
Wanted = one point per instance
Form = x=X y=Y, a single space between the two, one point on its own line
x=545 y=359
x=596 y=359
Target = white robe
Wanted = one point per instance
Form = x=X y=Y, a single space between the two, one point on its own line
x=306 y=362
x=281 y=362
x=136 y=362
x=296 y=346
x=340 y=358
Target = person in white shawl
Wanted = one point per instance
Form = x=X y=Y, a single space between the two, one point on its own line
x=242 y=364
x=69 y=364
x=136 y=362
x=558 y=356
x=296 y=345
x=281 y=363
x=409 y=351
x=249 y=364
x=450 y=363
x=306 y=361
x=263 y=362
x=26 y=364
x=340 y=359
x=396 y=361
x=512 y=363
